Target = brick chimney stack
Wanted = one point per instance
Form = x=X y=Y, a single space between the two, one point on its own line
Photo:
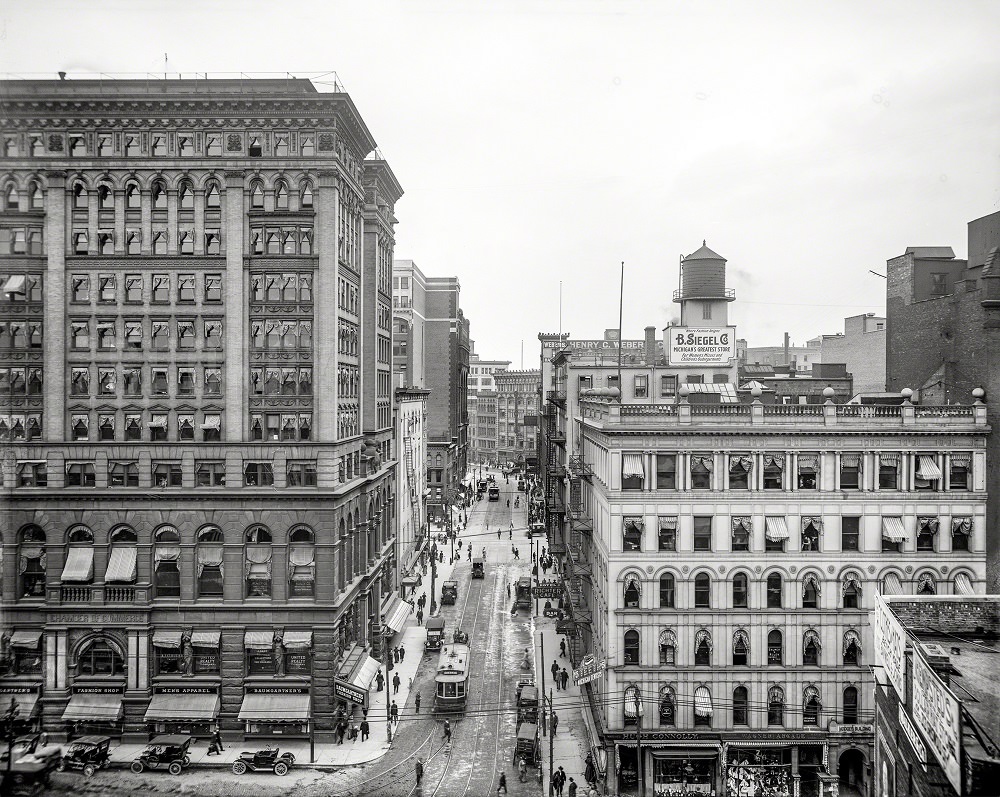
x=649 y=355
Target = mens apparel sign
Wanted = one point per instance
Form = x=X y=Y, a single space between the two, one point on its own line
x=936 y=714
x=700 y=345
x=890 y=643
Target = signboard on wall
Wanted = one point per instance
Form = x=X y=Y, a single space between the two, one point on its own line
x=700 y=345
x=890 y=643
x=936 y=713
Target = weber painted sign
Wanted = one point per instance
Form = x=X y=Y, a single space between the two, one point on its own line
x=700 y=345
x=890 y=644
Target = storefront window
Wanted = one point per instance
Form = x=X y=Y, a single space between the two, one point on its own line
x=753 y=770
x=100 y=658
x=677 y=776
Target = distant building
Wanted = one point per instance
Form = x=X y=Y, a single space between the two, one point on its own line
x=786 y=385
x=861 y=348
x=801 y=357
x=517 y=416
x=483 y=408
x=411 y=480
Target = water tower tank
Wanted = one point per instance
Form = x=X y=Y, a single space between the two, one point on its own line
x=703 y=276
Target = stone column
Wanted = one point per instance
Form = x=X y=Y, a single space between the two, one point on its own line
x=172 y=228
x=92 y=210
x=120 y=242
x=54 y=343
x=199 y=223
x=236 y=374
x=146 y=221
x=325 y=309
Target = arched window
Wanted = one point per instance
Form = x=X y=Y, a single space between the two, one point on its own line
x=12 y=201
x=301 y=563
x=166 y=558
x=741 y=648
x=774 y=591
x=811 y=706
x=702 y=591
x=280 y=197
x=211 y=571
x=740 y=591
x=850 y=705
x=36 y=197
x=703 y=648
x=668 y=705
x=105 y=198
x=186 y=242
x=810 y=648
x=158 y=194
x=631 y=647
x=99 y=657
x=133 y=197
x=632 y=591
x=741 y=706
x=257 y=562
x=666 y=591
x=212 y=199
x=668 y=647
x=810 y=592
x=79 y=197
x=851 y=588
x=257 y=196
x=702 y=707
x=306 y=199
x=926 y=585
x=775 y=647
x=632 y=701
x=775 y=706
x=80 y=535
x=852 y=648
x=185 y=197
x=122 y=558
x=31 y=562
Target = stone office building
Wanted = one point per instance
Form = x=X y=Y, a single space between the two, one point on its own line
x=193 y=538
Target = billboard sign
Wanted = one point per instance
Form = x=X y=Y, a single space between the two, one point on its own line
x=590 y=669
x=700 y=345
x=936 y=713
x=890 y=643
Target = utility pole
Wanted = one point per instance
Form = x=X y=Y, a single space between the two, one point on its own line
x=552 y=739
x=638 y=741
x=541 y=671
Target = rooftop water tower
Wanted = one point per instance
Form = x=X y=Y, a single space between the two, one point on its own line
x=703 y=295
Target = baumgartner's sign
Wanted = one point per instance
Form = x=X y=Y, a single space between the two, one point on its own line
x=700 y=345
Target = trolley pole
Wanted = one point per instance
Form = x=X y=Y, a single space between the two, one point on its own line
x=541 y=670
x=552 y=739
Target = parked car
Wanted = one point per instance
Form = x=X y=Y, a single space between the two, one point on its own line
x=169 y=749
x=266 y=759
x=449 y=593
x=88 y=753
x=435 y=633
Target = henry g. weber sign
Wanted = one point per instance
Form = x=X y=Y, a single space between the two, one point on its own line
x=700 y=345
x=890 y=644
x=936 y=715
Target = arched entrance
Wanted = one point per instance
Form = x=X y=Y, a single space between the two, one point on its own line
x=851 y=773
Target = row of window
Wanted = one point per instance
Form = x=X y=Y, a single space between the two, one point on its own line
x=294 y=381
x=80 y=239
x=131 y=424
x=285 y=240
x=272 y=334
x=157 y=381
x=20 y=381
x=850 y=654
x=207 y=473
x=144 y=288
x=154 y=334
x=20 y=335
x=21 y=287
x=22 y=240
x=347 y=338
x=270 y=287
x=33 y=197
x=20 y=426
x=775 y=534
x=776 y=472
x=742 y=708
x=155 y=144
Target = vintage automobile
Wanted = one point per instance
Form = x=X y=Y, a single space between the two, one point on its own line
x=479 y=567
x=435 y=633
x=267 y=759
x=88 y=753
x=29 y=768
x=537 y=527
x=527 y=702
x=449 y=592
x=460 y=637
x=169 y=749
x=526 y=745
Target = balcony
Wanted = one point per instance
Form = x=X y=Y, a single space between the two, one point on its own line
x=119 y=594
x=557 y=397
x=580 y=468
x=75 y=594
x=557 y=437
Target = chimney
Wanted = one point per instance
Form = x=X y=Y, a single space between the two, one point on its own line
x=650 y=351
x=62 y=75
x=786 y=348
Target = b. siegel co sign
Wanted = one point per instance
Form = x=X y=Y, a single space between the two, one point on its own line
x=700 y=345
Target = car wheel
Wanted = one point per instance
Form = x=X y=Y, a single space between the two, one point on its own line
x=175 y=768
x=137 y=767
x=239 y=767
x=89 y=770
x=281 y=768
x=61 y=766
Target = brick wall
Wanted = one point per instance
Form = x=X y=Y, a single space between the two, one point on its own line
x=962 y=616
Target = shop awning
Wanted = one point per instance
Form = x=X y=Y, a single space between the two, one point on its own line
x=121 y=565
x=963 y=585
x=206 y=639
x=26 y=702
x=167 y=639
x=395 y=616
x=79 y=565
x=892 y=529
x=26 y=639
x=183 y=706
x=632 y=466
x=265 y=706
x=14 y=286
x=702 y=702
x=928 y=469
x=93 y=707
x=365 y=671
x=294 y=640
x=891 y=585
x=775 y=528
x=258 y=640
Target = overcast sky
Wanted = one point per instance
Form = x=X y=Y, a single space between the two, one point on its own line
x=541 y=141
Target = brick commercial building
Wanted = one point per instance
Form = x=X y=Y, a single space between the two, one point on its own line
x=936 y=709
x=199 y=499
x=483 y=409
x=943 y=317
x=517 y=416
x=861 y=348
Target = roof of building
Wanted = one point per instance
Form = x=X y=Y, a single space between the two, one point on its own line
x=930 y=251
x=725 y=389
x=757 y=370
x=704 y=253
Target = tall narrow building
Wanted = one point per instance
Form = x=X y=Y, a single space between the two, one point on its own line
x=198 y=508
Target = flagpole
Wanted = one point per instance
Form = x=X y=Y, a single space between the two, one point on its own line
x=621 y=302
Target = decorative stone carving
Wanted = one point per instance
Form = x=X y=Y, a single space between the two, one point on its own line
x=234 y=142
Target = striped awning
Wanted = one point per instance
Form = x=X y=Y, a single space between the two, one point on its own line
x=281 y=707
x=206 y=639
x=928 y=469
x=891 y=584
x=892 y=529
x=632 y=466
x=258 y=640
x=365 y=672
x=963 y=585
x=775 y=528
x=395 y=616
x=702 y=702
x=183 y=706
x=79 y=564
x=296 y=640
x=90 y=707
x=633 y=703
x=121 y=565
x=167 y=638
x=28 y=640
x=14 y=286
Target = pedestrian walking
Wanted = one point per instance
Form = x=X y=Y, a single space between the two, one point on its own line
x=522 y=769
x=416 y=702
x=508 y=589
x=395 y=655
x=513 y=550
x=502 y=787
x=420 y=616
x=517 y=554
x=562 y=780
x=554 y=723
x=555 y=672
x=498 y=533
x=562 y=648
x=571 y=790
x=447 y=731
x=418 y=769
x=394 y=713
x=352 y=732
x=564 y=678
x=395 y=683
x=470 y=553
x=402 y=652
x=379 y=681
x=510 y=534
x=365 y=728
x=341 y=730
x=589 y=771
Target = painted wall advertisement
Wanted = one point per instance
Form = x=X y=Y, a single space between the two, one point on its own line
x=890 y=643
x=700 y=345
x=936 y=714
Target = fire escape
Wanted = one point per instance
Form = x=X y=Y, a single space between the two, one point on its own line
x=577 y=574
x=411 y=477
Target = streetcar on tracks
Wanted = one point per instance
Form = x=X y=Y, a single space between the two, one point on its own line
x=494 y=492
x=452 y=679
x=522 y=595
x=479 y=567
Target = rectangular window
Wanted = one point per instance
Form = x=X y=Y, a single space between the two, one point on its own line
x=741 y=534
x=939 y=284
x=166 y=474
x=106 y=285
x=160 y=382
x=808 y=465
x=640 y=387
x=133 y=335
x=133 y=427
x=926 y=532
x=210 y=474
x=958 y=471
x=185 y=288
x=132 y=380
x=123 y=474
x=32 y=474
x=301 y=474
x=706 y=311
x=928 y=475
x=667 y=534
x=613 y=380
x=80 y=288
x=739 y=472
x=213 y=145
x=80 y=474
x=850 y=471
x=585 y=382
x=161 y=289
x=888 y=471
x=258 y=474
x=695 y=379
x=703 y=533
x=666 y=471
x=185 y=335
x=211 y=427
x=158 y=427
x=213 y=287
x=850 y=533
x=632 y=533
x=701 y=472
x=185 y=381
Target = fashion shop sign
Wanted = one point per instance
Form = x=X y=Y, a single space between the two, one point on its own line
x=700 y=345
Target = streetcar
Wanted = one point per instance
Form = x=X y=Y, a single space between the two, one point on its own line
x=479 y=568
x=481 y=487
x=522 y=597
x=494 y=492
x=452 y=678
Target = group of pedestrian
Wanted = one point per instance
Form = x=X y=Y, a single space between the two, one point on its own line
x=560 y=677
x=558 y=781
x=398 y=653
x=517 y=554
